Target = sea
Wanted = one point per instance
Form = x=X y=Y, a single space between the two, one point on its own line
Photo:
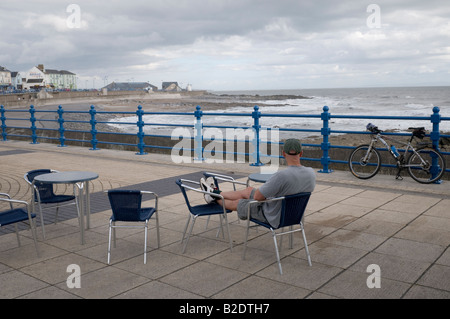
x=376 y=101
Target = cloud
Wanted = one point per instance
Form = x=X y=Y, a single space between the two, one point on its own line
x=222 y=44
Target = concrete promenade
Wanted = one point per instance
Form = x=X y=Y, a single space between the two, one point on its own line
x=401 y=226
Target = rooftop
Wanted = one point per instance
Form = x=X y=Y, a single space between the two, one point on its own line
x=401 y=226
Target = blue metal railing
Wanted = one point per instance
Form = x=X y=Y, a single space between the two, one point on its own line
x=254 y=136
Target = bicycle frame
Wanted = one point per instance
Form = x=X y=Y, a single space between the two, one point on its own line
x=400 y=158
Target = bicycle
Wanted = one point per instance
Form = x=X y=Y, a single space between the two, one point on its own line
x=424 y=164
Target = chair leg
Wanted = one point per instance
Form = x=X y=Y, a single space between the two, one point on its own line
x=189 y=235
x=276 y=251
x=228 y=230
x=145 y=242
x=157 y=229
x=56 y=214
x=306 y=245
x=33 y=232
x=220 y=229
x=114 y=235
x=42 y=220
x=185 y=229
x=17 y=234
x=109 y=242
x=246 y=239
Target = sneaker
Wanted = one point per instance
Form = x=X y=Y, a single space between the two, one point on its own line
x=206 y=187
x=210 y=182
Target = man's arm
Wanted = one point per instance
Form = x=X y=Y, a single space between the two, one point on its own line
x=258 y=196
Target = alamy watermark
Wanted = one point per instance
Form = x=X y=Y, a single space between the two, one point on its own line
x=73 y=21
x=74 y=279
x=231 y=146
x=374 y=280
x=374 y=19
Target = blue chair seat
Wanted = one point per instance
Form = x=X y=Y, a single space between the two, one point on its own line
x=207 y=209
x=57 y=199
x=14 y=216
x=144 y=214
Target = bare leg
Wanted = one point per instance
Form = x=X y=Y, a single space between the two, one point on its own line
x=232 y=198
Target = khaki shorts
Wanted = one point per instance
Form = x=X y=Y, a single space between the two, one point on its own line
x=255 y=209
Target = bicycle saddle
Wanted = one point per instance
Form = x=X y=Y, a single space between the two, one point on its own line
x=418 y=132
x=373 y=128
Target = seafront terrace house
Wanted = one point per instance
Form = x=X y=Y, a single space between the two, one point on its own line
x=17 y=80
x=5 y=78
x=39 y=77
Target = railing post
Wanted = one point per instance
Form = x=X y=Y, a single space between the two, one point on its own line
x=62 y=139
x=198 y=135
x=435 y=137
x=435 y=134
x=256 y=115
x=325 y=131
x=33 y=125
x=3 y=118
x=140 y=134
x=93 y=122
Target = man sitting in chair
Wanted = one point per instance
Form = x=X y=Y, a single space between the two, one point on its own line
x=292 y=180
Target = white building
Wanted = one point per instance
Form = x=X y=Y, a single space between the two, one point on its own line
x=34 y=79
x=39 y=77
x=17 y=79
x=5 y=78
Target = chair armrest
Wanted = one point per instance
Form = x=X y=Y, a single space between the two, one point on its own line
x=224 y=178
x=199 y=190
x=13 y=201
x=154 y=194
x=262 y=201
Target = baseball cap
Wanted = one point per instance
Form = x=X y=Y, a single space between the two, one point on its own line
x=292 y=146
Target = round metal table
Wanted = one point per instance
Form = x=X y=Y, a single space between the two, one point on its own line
x=258 y=177
x=81 y=180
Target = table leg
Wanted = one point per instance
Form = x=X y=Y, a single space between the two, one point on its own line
x=88 y=205
x=81 y=203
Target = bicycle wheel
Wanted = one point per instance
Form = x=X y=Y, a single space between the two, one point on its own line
x=426 y=166
x=364 y=163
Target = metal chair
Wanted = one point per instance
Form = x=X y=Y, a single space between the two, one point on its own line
x=292 y=211
x=202 y=210
x=15 y=215
x=222 y=178
x=44 y=194
x=126 y=207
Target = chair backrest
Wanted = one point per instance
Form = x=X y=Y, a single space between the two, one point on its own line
x=125 y=204
x=45 y=190
x=183 y=191
x=293 y=208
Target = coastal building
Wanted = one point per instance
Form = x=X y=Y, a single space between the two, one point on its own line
x=17 y=80
x=171 y=87
x=130 y=86
x=5 y=78
x=59 y=80
x=34 y=79
x=38 y=77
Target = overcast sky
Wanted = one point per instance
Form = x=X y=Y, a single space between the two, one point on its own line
x=232 y=44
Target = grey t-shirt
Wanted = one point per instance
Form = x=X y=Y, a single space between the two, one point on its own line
x=291 y=180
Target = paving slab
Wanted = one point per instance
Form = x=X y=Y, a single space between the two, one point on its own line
x=401 y=226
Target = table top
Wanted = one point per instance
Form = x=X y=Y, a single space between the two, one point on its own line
x=259 y=177
x=66 y=177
